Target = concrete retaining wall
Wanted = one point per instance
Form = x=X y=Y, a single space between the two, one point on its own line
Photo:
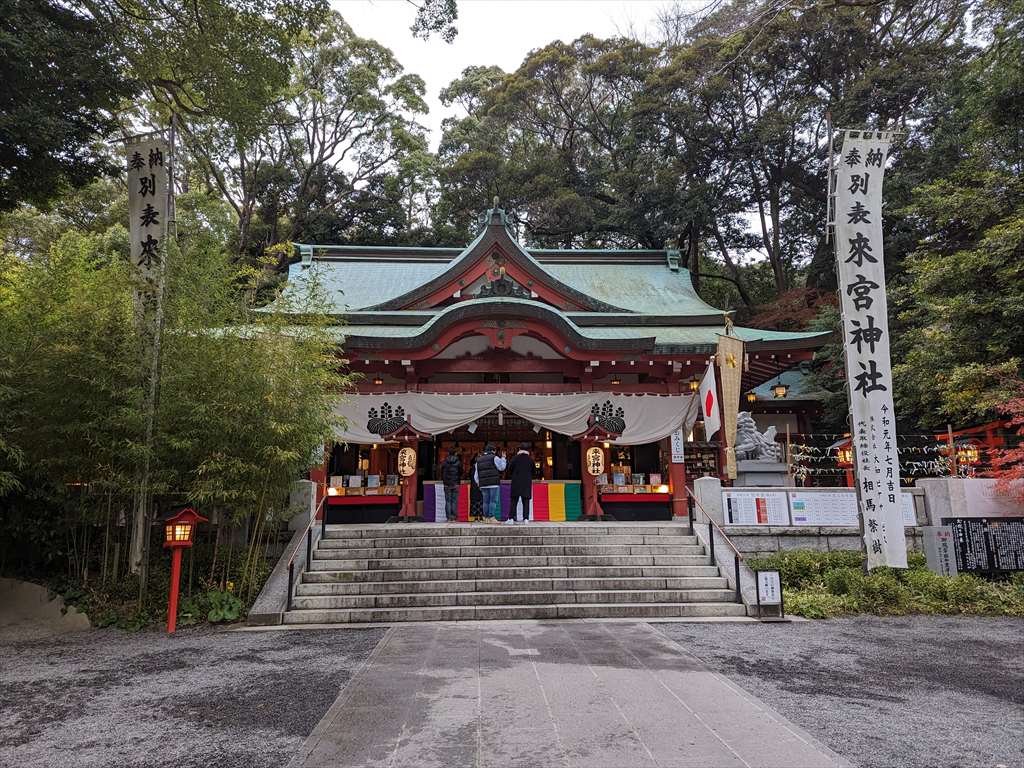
x=755 y=540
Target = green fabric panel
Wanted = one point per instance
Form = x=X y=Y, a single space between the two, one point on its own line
x=573 y=502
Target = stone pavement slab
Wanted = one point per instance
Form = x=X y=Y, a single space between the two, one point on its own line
x=597 y=695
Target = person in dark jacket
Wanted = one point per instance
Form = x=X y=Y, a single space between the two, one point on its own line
x=451 y=476
x=521 y=474
x=487 y=472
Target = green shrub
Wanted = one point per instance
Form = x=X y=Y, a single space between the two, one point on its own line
x=843 y=581
x=814 y=604
x=882 y=593
x=916 y=561
x=214 y=606
x=801 y=568
x=820 y=585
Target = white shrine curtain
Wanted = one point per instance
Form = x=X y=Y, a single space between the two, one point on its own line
x=640 y=418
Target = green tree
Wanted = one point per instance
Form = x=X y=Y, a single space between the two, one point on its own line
x=246 y=396
x=342 y=127
x=54 y=109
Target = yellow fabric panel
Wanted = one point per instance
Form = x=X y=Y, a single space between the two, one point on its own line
x=556 y=502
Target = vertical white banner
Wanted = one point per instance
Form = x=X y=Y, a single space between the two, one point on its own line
x=859 y=169
x=148 y=160
x=678 y=442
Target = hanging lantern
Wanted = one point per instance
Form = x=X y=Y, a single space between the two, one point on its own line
x=595 y=461
x=968 y=453
x=780 y=389
x=844 y=456
x=751 y=397
x=694 y=385
x=406 y=462
x=616 y=380
x=378 y=380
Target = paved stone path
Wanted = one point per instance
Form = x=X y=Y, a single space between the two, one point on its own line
x=534 y=695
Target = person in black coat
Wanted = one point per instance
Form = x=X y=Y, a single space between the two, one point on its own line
x=451 y=477
x=521 y=474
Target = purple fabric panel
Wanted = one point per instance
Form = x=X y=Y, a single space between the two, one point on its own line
x=429 y=501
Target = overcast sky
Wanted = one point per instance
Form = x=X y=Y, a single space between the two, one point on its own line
x=498 y=32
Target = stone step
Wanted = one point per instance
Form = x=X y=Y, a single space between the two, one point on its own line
x=544 y=550
x=550 y=597
x=395 y=542
x=504 y=612
x=507 y=585
x=505 y=562
x=478 y=573
x=384 y=530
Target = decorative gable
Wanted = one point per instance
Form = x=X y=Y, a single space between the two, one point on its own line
x=495 y=257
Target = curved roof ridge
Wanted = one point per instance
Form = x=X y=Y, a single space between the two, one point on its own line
x=496 y=228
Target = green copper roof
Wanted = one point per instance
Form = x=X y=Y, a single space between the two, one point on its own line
x=357 y=284
x=644 y=288
x=353 y=285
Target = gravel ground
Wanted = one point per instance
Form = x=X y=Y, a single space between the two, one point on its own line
x=202 y=698
x=917 y=692
x=912 y=692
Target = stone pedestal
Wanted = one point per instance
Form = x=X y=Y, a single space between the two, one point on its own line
x=708 y=491
x=761 y=474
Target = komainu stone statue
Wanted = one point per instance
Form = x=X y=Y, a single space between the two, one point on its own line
x=751 y=445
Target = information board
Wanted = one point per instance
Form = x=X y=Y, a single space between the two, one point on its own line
x=988 y=545
x=829 y=508
x=823 y=508
x=678 y=443
x=755 y=507
x=939 y=549
x=769 y=588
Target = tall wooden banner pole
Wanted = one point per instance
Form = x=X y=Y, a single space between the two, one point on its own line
x=151 y=211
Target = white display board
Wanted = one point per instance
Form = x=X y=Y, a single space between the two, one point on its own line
x=822 y=508
x=769 y=588
x=755 y=507
x=811 y=507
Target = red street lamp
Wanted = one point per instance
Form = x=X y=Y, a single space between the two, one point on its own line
x=178 y=532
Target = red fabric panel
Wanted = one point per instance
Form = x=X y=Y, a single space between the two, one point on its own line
x=540 y=501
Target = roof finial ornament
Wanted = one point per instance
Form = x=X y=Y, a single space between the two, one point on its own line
x=728 y=323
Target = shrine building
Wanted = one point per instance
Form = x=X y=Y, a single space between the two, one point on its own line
x=565 y=350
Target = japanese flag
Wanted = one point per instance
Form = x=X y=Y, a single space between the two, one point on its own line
x=709 y=410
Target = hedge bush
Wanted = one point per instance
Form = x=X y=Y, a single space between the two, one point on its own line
x=819 y=585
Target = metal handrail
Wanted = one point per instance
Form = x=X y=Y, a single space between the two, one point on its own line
x=716 y=525
x=712 y=527
x=309 y=548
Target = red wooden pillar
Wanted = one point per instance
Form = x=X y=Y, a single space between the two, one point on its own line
x=676 y=481
x=409 y=484
x=408 y=510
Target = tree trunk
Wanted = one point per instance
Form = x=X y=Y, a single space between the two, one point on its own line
x=731 y=265
x=778 y=268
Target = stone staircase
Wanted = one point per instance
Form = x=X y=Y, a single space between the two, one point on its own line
x=461 y=572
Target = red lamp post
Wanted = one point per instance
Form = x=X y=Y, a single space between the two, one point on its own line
x=179 y=530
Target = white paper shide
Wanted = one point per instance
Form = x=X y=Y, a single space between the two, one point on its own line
x=858 y=172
